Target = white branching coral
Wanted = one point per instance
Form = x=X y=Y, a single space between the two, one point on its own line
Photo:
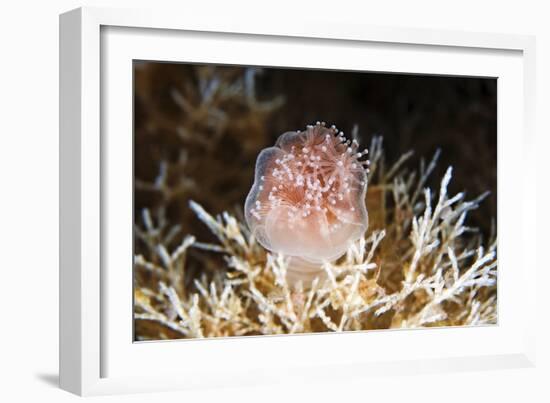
x=418 y=265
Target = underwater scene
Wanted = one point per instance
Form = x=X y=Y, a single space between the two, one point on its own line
x=275 y=201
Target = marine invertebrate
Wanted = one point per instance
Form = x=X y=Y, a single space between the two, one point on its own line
x=308 y=198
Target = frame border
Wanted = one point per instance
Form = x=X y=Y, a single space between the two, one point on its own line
x=80 y=168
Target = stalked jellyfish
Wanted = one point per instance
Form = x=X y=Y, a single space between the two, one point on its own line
x=308 y=198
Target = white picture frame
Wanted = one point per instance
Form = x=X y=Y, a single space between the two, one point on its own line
x=96 y=354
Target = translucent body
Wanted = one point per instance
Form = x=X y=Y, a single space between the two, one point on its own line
x=308 y=196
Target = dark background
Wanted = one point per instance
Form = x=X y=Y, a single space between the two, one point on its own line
x=418 y=112
x=414 y=112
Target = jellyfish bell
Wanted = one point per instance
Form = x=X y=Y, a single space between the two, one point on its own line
x=308 y=199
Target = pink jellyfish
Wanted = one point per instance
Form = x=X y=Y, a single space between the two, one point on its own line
x=308 y=199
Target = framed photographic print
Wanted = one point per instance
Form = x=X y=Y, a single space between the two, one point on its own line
x=248 y=203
